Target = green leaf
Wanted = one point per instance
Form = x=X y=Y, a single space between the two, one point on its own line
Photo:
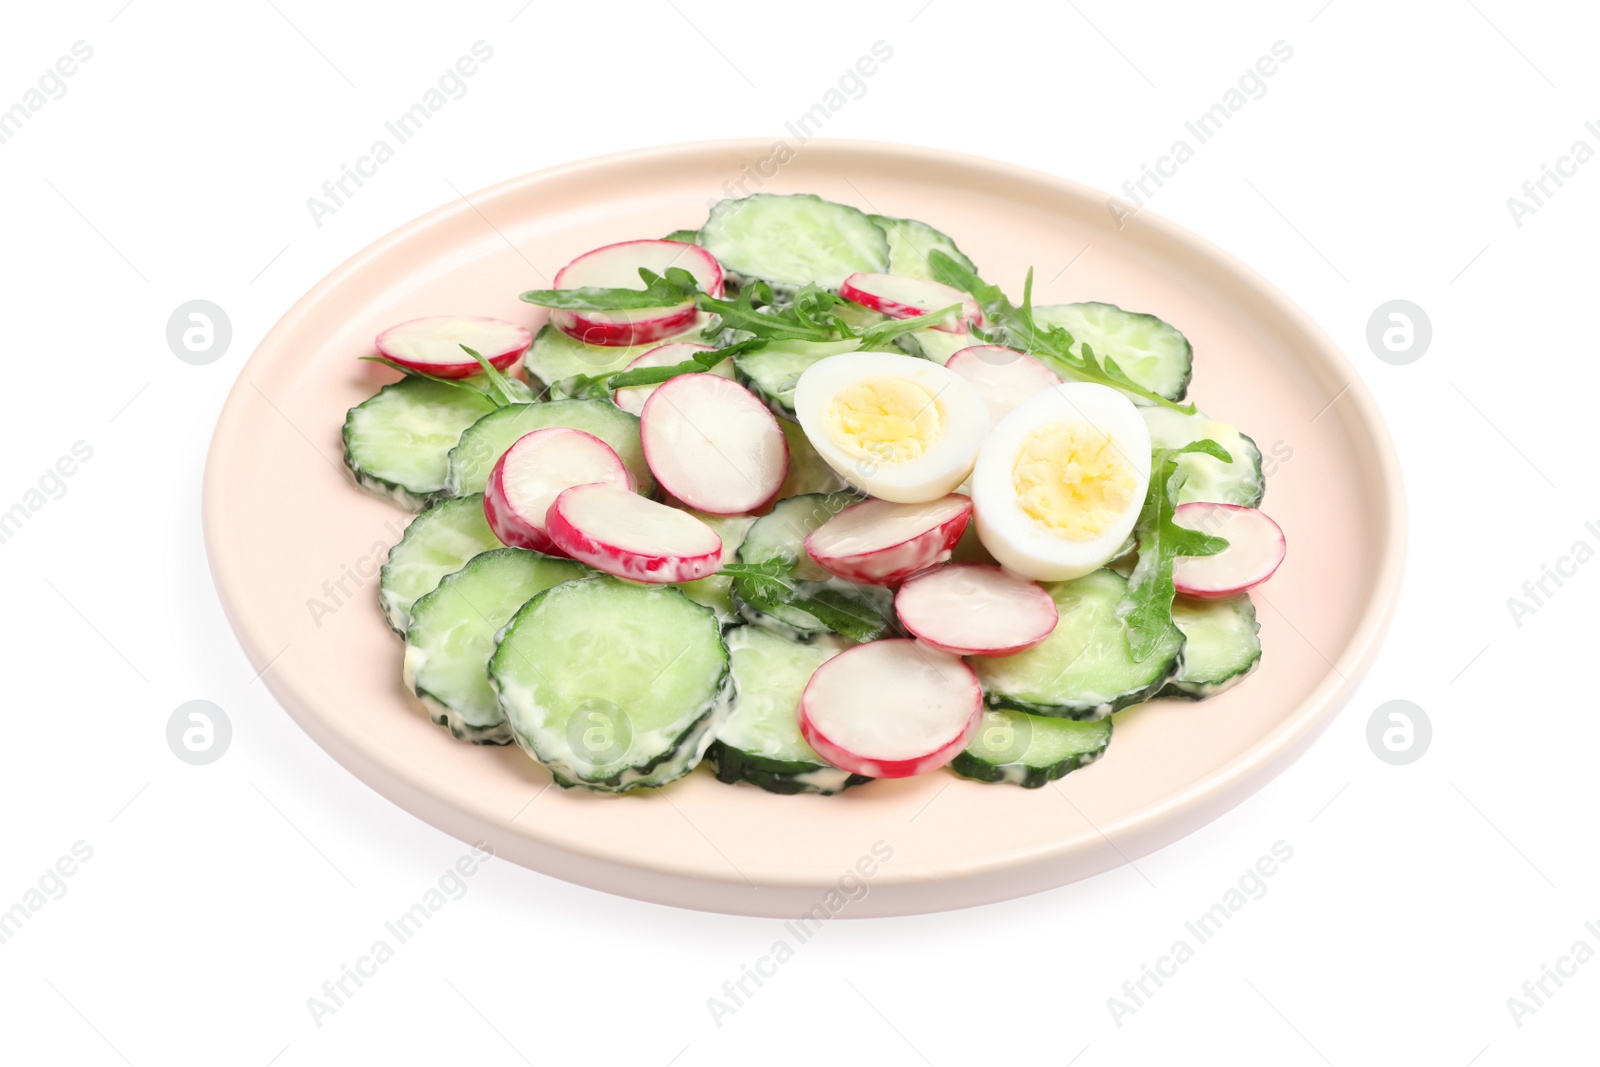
x=499 y=384
x=1052 y=345
x=492 y=395
x=678 y=286
x=1147 y=609
x=771 y=584
x=700 y=362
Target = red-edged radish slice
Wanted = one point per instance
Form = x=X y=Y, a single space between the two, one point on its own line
x=1256 y=546
x=900 y=297
x=433 y=345
x=632 y=398
x=890 y=709
x=968 y=609
x=712 y=444
x=1003 y=376
x=882 y=543
x=617 y=266
x=537 y=467
x=622 y=533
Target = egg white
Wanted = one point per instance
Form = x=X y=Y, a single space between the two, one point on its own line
x=964 y=423
x=1018 y=541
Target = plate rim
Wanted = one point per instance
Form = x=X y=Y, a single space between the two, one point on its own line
x=1133 y=835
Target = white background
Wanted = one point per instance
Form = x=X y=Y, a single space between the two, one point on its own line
x=219 y=898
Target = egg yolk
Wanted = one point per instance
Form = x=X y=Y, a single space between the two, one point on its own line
x=888 y=420
x=1069 y=479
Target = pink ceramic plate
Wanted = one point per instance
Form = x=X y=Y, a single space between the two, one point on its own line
x=295 y=547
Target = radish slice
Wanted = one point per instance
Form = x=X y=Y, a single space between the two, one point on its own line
x=890 y=709
x=633 y=397
x=617 y=267
x=712 y=444
x=1256 y=546
x=537 y=467
x=975 y=610
x=900 y=297
x=1003 y=376
x=882 y=543
x=622 y=533
x=433 y=345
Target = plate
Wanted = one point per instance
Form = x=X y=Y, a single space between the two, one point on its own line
x=295 y=547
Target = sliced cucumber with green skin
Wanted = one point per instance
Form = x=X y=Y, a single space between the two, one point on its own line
x=771 y=372
x=1016 y=748
x=554 y=357
x=397 y=442
x=780 y=535
x=1239 y=481
x=760 y=742
x=485 y=441
x=1220 y=646
x=452 y=631
x=792 y=241
x=910 y=242
x=613 y=685
x=1151 y=352
x=1084 y=669
x=714 y=591
x=438 y=542
x=935 y=345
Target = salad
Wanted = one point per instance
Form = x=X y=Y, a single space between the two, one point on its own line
x=802 y=496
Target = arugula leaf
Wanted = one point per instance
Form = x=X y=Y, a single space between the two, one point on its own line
x=771 y=584
x=1052 y=343
x=882 y=333
x=658 y=292
x=458 y=383
x=1147 y=609
x=701 y=361
x=499 y=384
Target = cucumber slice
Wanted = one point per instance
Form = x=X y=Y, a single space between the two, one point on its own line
x=1237 y=482
x=613 y=685
x=451 y=637
x=760 y=742
x=438 y=542
x=936 y=345
x=1220 y=646
x=485 y=441
x=1149 y=351
x=808 y=471
x=554 y=358
x=1083 y=670
x=396 y=443
x=792 y=241
x=780 y=535
x=910 y=242
x=771 y=372
x=1031 y=750
x=714 y=591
